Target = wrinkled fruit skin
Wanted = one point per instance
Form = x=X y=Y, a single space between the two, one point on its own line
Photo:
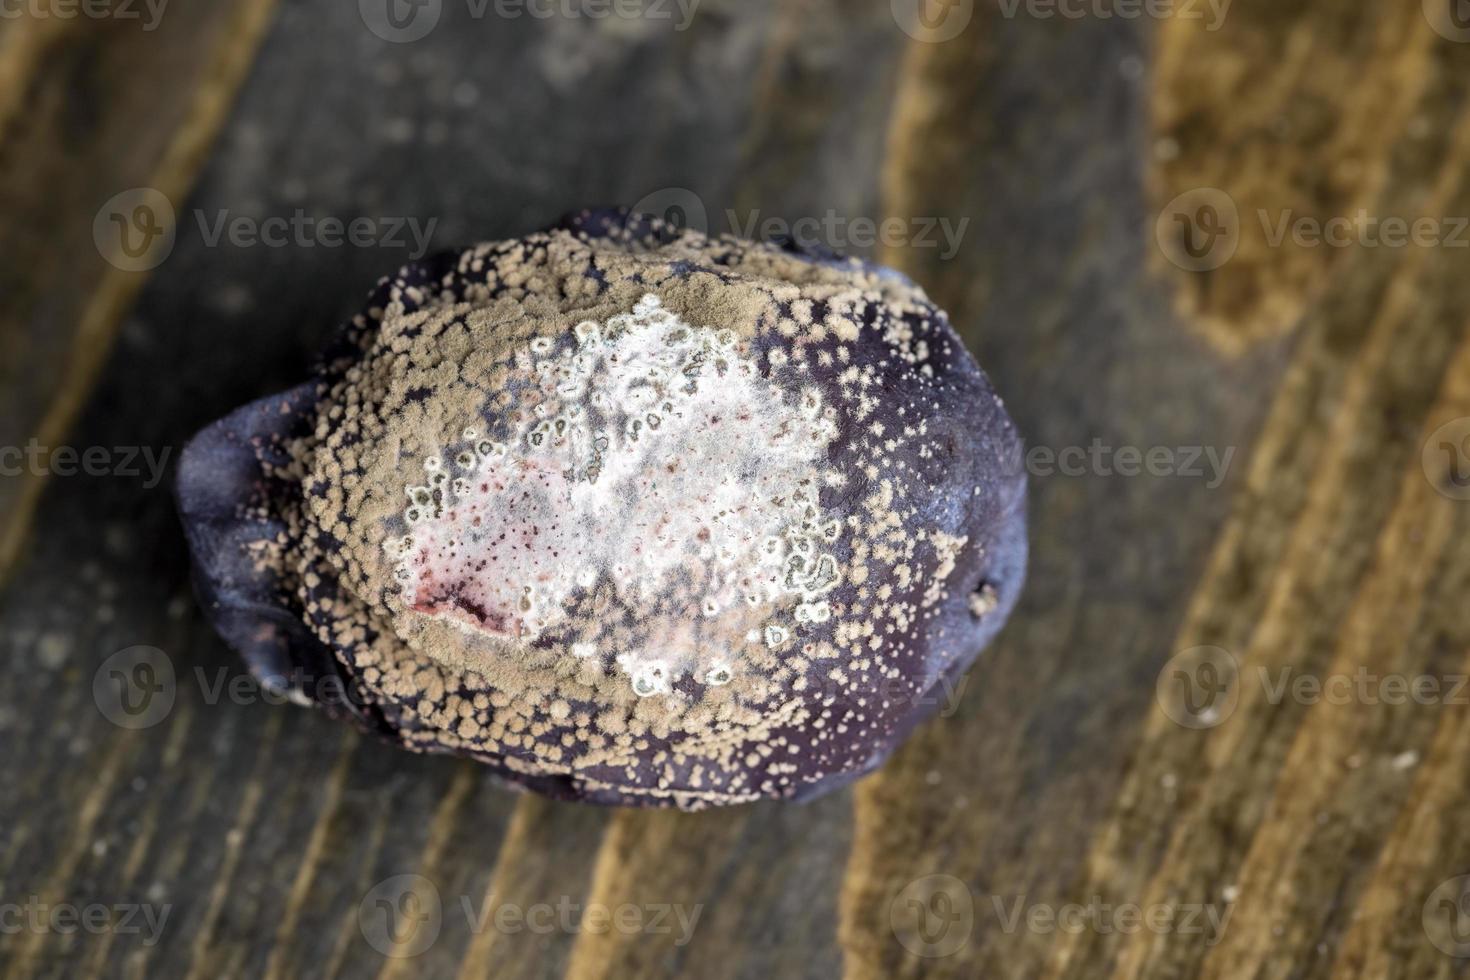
x=631 y=515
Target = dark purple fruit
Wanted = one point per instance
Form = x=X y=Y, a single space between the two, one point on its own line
x=632 y=515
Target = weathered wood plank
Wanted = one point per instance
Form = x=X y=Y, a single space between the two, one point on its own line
x=90 y=109
x=279 y=843
x=313 y=825
x=1406 y=318
x=1291 y=109
x=1054 y=294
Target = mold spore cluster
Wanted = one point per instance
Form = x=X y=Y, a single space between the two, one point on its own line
x=650 y=466
x=635 y=515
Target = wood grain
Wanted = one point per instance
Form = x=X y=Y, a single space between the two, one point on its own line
x=92 y=108
x=1329 y=546
x=1293 y=111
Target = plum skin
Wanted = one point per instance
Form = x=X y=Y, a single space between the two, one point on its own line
x=225 y=498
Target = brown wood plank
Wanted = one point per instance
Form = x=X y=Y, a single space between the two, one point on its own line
x=92 y=108
x=1227 y=782
x=1292 y=108
x=1003 y=794
x=277 y=841
x=1323 y=486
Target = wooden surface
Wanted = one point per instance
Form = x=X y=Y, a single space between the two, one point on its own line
x=1333 y=547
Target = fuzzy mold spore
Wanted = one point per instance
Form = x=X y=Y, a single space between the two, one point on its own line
x=631 y=514
x=649 y=464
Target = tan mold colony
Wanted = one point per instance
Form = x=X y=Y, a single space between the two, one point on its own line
x=580 y=515
x=648 y=459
